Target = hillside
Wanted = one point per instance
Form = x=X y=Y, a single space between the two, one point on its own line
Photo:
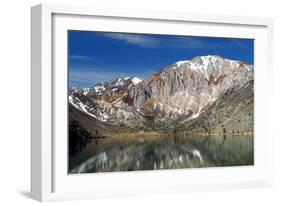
x=233 y=113
x=207 y=94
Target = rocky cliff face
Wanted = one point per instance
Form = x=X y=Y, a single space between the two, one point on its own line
x=109 y=102
x=232 y=113
x=178 y=93
x=187 y=88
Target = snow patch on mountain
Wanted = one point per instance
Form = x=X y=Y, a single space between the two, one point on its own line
x=86 y=91
x=181 y=91
x=83 y=107
x=136 y=80
x=202 y=63
x=120 y=82
x=179 y=63
x=99 y=89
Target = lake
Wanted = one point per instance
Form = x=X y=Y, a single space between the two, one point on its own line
x=162 y=152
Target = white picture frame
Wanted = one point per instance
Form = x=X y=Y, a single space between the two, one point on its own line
x=49 y=179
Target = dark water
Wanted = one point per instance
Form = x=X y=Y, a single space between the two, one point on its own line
x=134 y=153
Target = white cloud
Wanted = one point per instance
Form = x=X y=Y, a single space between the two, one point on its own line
x=240 y=44
x=80 y=57
x=186 y=42
x=93 y=76
x=150 y=41
x=135 y=39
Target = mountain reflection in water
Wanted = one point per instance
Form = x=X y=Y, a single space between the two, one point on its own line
x=150 y=153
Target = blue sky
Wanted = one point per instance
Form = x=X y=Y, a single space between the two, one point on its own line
x=95 y=57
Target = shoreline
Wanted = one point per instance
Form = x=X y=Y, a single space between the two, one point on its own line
x=154 y=134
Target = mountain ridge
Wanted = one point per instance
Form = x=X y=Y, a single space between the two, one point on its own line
x=179 y=92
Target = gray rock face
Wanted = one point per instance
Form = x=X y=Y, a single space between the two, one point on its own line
x=189 y=87
x=232 y=113
x=179 y=92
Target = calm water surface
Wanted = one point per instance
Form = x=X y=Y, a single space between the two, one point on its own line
x=156 y=152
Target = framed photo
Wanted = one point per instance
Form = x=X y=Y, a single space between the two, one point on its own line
x=137 y=102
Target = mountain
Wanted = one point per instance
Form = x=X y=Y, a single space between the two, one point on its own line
x=112 y=90
x=186 y=88
x=232 y=113
x=83 y=91
x=184 y=93
x=108 y=102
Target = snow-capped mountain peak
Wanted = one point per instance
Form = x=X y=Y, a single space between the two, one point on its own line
x=135 y=80
x=180 y=91
x=83 y=91
x=179 y=63
x=210 y=64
